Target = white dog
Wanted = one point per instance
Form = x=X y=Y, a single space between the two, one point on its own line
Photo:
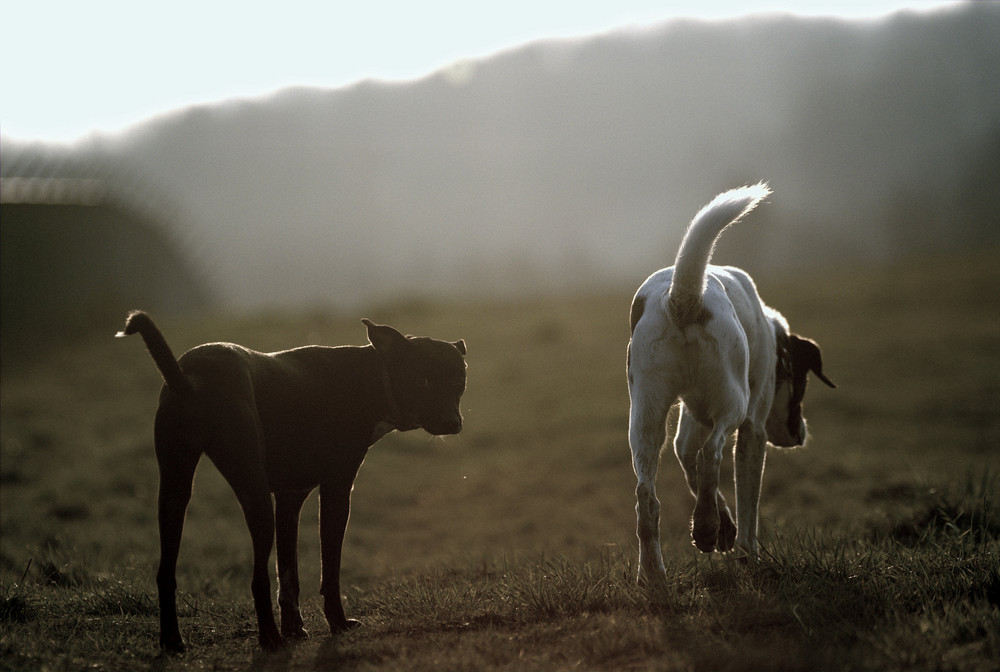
x=701 y=334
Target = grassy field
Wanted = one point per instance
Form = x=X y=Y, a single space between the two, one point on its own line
x=512 y=545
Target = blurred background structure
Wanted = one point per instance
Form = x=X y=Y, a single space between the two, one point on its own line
x=81 y=241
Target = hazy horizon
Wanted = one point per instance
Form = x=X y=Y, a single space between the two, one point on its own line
x=111 y=66
x=566 y=166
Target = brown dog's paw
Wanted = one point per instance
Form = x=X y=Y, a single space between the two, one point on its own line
x=272 y=642
x=346 y=626
x=295 y=632
x=172 y=644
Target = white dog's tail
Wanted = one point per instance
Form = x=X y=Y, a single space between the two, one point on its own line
x=688 y=283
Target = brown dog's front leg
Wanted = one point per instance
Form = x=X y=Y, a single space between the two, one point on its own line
x=287 y=507
x=334 y=510
x=255 y=500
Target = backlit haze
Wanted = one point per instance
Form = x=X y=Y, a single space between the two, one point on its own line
x=73 y=69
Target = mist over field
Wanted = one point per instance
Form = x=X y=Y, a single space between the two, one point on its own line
x=574 y=164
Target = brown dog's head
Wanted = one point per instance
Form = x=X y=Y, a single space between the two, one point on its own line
x=424 y=379
x=797 y=356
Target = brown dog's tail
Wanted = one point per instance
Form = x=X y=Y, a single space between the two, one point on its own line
x=139 y=322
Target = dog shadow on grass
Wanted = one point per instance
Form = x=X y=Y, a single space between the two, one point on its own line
x=329 y=655
x=272 y=661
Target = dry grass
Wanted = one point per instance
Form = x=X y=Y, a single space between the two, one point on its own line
x=512 y=545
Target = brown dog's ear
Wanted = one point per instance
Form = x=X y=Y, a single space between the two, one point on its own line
x=460 y=346
x=383 y=337
x=806 y=356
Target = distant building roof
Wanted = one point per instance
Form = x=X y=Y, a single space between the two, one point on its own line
x=53 y=190
x=84 y=239
x=42 y=175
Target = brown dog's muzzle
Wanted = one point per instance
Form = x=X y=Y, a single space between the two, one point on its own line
x=445 y=426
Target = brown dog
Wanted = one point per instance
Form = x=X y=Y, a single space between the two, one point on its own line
x=285 y=423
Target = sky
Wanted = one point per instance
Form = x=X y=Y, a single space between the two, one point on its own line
x=74 y=69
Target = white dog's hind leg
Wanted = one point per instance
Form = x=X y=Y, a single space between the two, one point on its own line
x=749 y=456
x=647 y=432
x=706 y=518
x=688 y=442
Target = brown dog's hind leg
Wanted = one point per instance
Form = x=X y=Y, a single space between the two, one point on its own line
x=177 y=464
x=259 y=514
x=287 y=507
x=238 y=455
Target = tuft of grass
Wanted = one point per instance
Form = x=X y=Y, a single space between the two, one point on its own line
x=931 y=513
x=15 y=608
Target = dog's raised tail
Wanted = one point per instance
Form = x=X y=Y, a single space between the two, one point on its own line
x=140 y=323
x=688 y=282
